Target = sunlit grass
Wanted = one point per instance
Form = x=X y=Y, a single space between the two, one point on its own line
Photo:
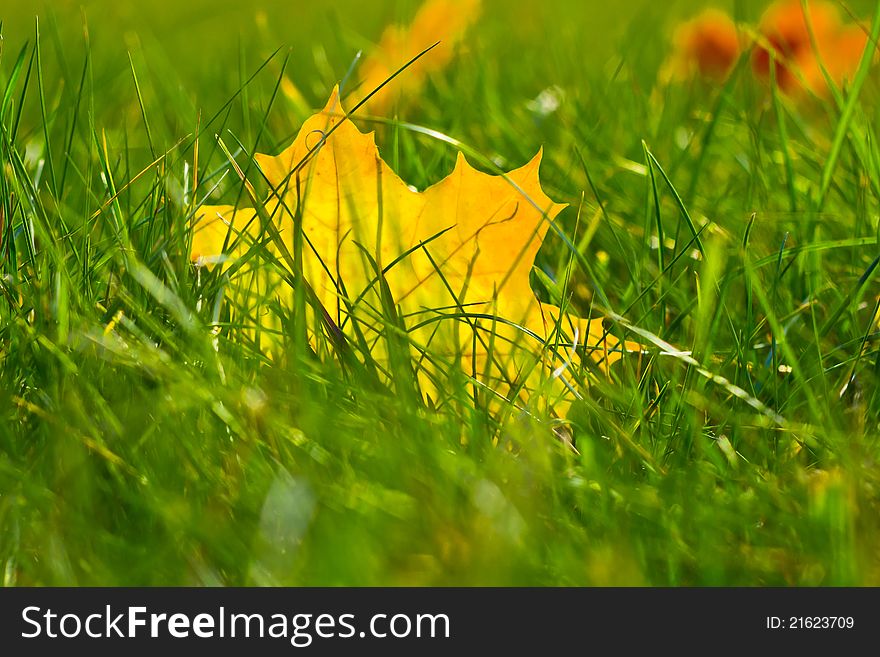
x=146 y=438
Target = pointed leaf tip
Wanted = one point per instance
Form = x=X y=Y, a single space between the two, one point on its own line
x=334 y=103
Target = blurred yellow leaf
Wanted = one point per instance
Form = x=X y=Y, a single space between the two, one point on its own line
x=706 y=46
x=445 y=21
x=799 y=39
x=456 y=257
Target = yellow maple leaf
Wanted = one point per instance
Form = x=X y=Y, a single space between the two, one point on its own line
x=456 y=257
x=445 y=21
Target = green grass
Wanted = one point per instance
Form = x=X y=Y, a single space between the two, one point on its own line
x=144 y=439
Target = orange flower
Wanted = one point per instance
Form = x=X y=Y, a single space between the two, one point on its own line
x=707 y=45
x=799 y=56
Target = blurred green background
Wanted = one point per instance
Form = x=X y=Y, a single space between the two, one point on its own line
x=205 y=41
x=193 y=56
